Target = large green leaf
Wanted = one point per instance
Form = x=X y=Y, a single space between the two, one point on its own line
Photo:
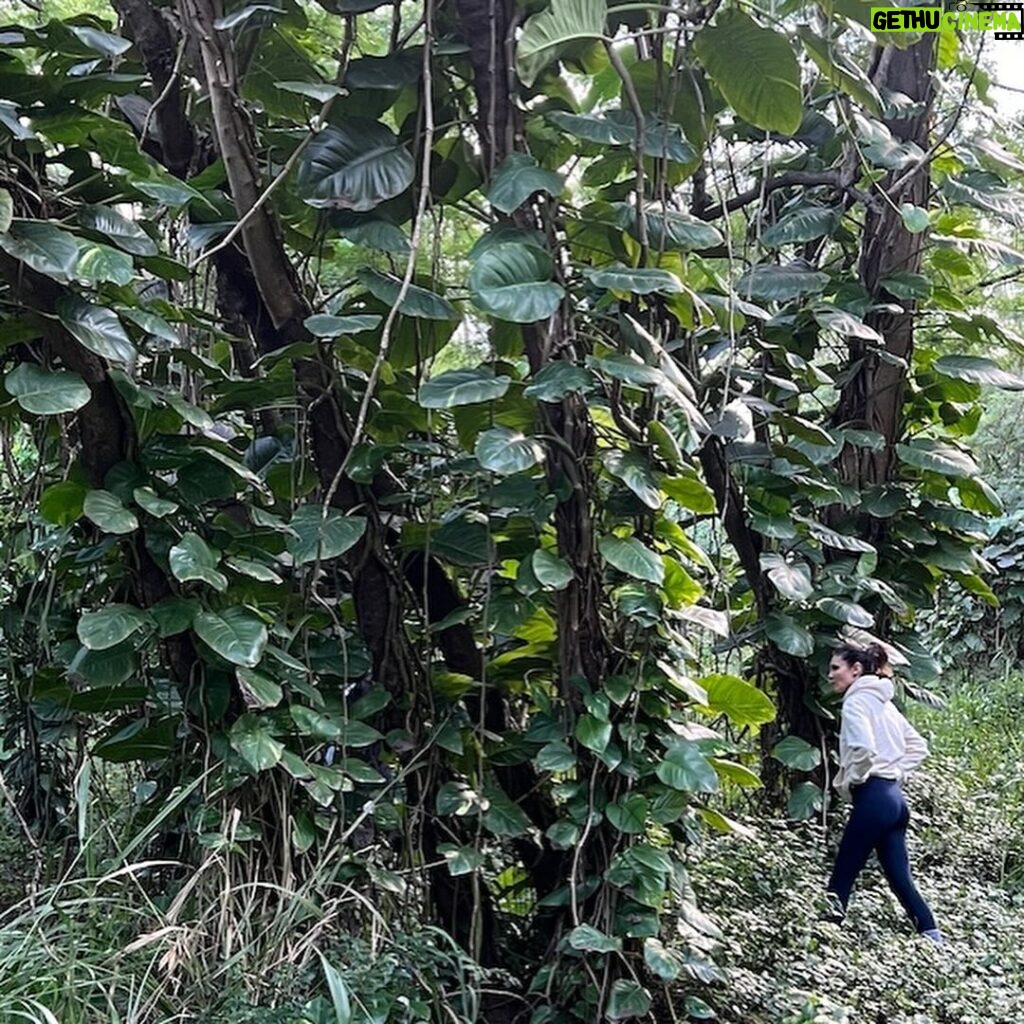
x=937 y=457
x=235 y=634
x=628 y=814
x=797 y=754
x=462 y=387
x=97 y=328
x=146 y=498
x=670 y=229
x=395 y=71
x=547 y=34
x=44 y=393
x=552 y=572
x=98 y=263
x=108 y=512
x=769 y=281
x=632 y=557
x=804 y=224
x=250 y=737
x=6 y=211
x=109 y=626
x=639 y=281
x=743 y=703
x=356 y=165
x=844 y=610
x=142 y=740
x=518 y=178
x=805 y=801
x=504 y=450
x=594 y=734
x=843 y=75
x=685 y=768
x=42 y=247
x=558 y=379
x=587 y=938
x=978 y=370
x=193 y=559
x=124 y=233
x=690 y=492
x=755 y=68
x=323 y=325
x=628 y=999
x=619 y=128
x=789 y=635
x=791 y=579
x=635 y=472
x=316 y=535
x=513 y=282
x=62 y=503
x=416 y=301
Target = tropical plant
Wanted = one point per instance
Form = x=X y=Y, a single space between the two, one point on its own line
x=325 y=595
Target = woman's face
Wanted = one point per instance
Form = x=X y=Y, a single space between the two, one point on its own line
x=841 y=675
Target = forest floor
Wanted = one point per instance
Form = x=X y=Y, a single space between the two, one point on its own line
x=782 y=964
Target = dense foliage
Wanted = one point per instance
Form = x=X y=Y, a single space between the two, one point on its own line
x=438 y=437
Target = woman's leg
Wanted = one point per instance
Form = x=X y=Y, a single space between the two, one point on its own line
x=859 y=838
x=892 y=855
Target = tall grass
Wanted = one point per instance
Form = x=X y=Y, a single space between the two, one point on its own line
x=123 y=940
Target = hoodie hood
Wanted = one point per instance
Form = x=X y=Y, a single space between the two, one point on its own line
x=879 y=687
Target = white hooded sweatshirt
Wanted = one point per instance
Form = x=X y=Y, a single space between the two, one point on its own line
x=875 y=739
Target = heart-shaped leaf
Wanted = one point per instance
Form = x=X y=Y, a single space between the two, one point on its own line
x=797 y=754
x=558 y=379
x=789 y=635
x=250 y=737
x=46 y=394
x=235 y=634
x=356 y=165
x=62 y=503
x=552 y=572
x=755 y=68
x=109 y=626
x=462 y=387
x=42 y=247
x=416 y=301
x=518 y=178
x=98 y=263
x=124 y=233
x=316 y=535
x=97 y=328
x=547 y=33
x=146 y=498
x=503 y=450
x=741 y=702
x=628 y=999
x=108 y=513
x=324 y=325
x=193 y=559
x=513 y=282
x=632 y=557
x=685 y=768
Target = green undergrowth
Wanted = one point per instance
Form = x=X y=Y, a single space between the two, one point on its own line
x=782 y=964
x=121 y=948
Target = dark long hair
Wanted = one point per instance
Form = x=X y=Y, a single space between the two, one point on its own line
x=873 y=658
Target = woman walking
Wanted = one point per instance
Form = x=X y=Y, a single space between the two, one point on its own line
x=878 y=748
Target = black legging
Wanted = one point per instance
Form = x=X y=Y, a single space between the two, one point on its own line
x=879 y=822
